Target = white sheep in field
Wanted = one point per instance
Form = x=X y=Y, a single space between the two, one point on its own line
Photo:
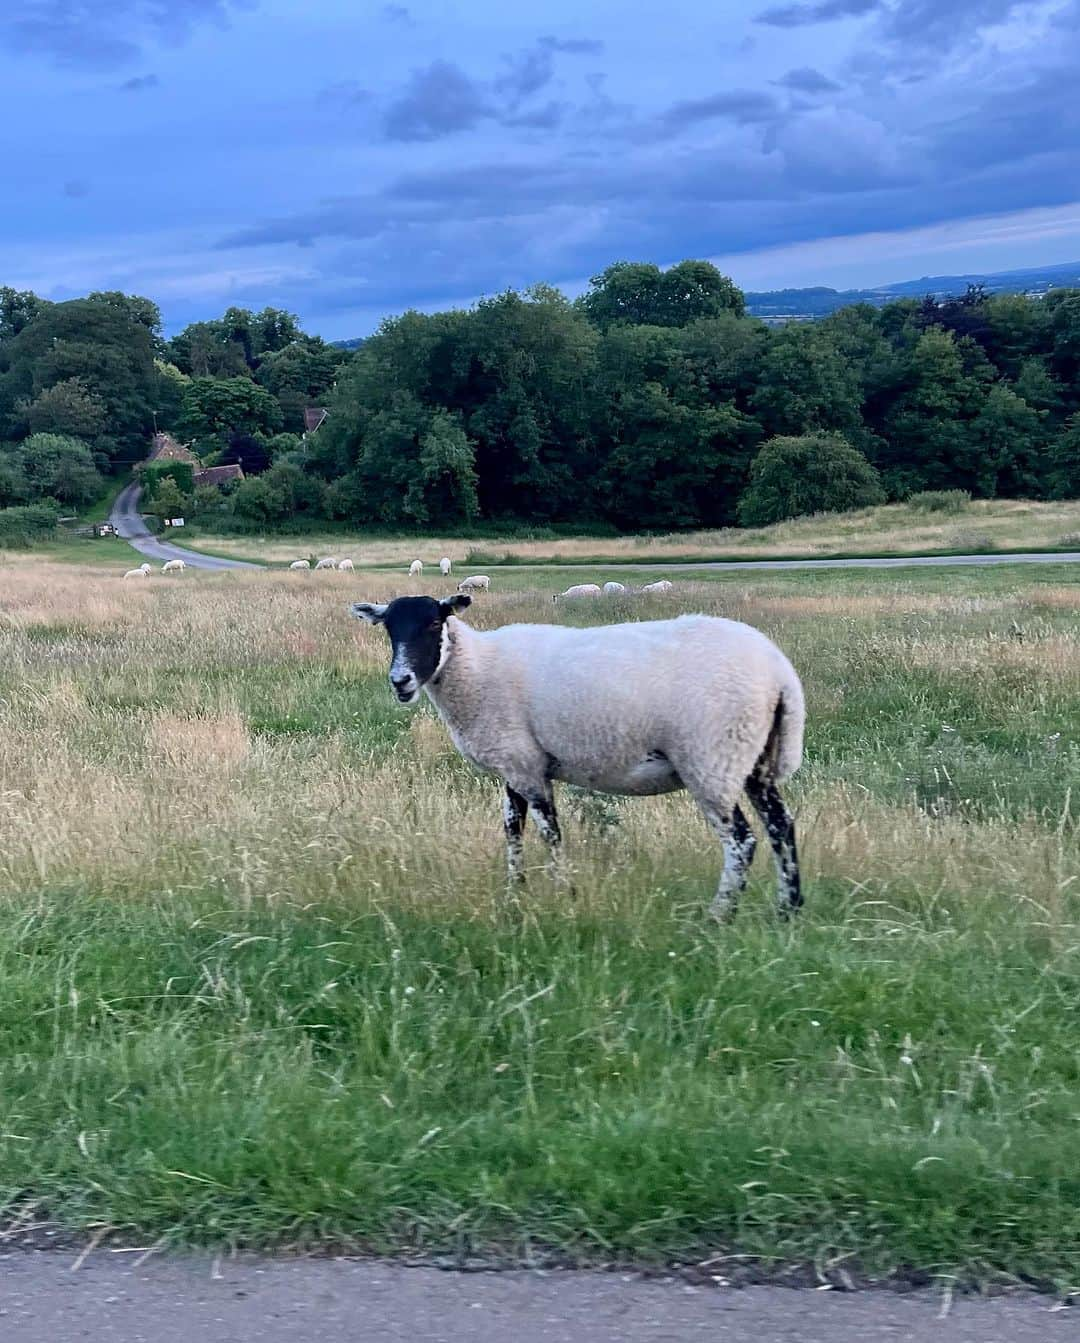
x=346 y=566
x=173 y=567
x=613 y=589
x=445 y=566
x=143 y=571
x=661 y=586
x=579 y=590
x=700 y=703
x=326 y=563
x=474 y=583
x=300 y=564
x=416 y=568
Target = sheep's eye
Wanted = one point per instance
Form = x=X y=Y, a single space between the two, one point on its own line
x=435 y=625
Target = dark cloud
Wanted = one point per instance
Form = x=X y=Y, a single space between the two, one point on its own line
x=576 y=46
x=439 y=100
x=808 y=80
x=140 y=83
x=819 y=11
x=527 y=73
x=743 y=107
x=105 y=35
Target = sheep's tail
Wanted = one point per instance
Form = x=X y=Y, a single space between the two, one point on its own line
x=784 y=747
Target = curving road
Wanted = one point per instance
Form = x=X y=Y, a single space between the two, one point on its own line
x=130 y=527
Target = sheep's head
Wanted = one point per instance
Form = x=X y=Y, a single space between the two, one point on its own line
x=418 y=637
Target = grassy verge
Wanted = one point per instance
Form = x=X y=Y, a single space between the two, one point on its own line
x=260 y=983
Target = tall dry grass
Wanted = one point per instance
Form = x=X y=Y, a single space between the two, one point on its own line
x=1004 y=524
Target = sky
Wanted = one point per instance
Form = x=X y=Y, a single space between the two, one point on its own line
x=348 y=160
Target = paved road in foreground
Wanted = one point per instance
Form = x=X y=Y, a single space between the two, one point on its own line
x=108 y=1300
x=127 y=520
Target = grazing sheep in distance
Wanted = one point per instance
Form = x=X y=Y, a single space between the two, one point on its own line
x=664 y=585
x=346 y=565
x=173 y=567
x=143 y=571
x=416 y=568
x=474 y=583
x=613 y=589
x=700 y=703
x=326 y=564
x=445 y=566
x=579 y=590
x=300 y=564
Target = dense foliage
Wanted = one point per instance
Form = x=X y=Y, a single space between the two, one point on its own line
x=644 y=404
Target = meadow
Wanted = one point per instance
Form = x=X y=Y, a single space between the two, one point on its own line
x=982 y=525
x=261 y=983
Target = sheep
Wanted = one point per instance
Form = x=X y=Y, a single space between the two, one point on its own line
x=578 y=590
x=664 y=585
x=698 y=702
x=474 y=583
x=143 y=571
x=300 y=564
x=613 y=589
x=416 y=568
x=445 y=566
x=326 y=564
x=346 y=565
x=173 y=567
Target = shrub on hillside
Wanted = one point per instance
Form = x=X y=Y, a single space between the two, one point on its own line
x=24 y=525
x=811 y=473
x=940 y=501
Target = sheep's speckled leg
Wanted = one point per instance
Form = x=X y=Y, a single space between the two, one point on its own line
x=739 y=845
x=515 y=809
x=779 y=826
x=542 y=810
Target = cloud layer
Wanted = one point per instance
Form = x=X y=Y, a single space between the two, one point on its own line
x=358 y=164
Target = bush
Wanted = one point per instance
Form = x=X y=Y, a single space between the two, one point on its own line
x=154 y=475
x=813 y=473
x=940 y=501
x=61 y=468
x=23 y=526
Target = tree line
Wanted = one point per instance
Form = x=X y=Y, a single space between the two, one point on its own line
x=651 y=402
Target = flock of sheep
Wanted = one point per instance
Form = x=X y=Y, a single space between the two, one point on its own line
x=169 y=567
x=482 y=583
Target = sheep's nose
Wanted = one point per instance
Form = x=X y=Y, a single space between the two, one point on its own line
x=401 y=682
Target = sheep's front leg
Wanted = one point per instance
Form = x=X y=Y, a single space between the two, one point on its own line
x=515 y=809
x=542 y=810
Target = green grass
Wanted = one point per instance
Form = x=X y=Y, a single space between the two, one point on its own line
x=260 y=984
x=629 y=1084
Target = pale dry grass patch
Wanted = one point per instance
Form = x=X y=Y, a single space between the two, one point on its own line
x=891 y=528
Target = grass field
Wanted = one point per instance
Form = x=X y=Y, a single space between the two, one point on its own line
x=894 y=529
x=260 y=983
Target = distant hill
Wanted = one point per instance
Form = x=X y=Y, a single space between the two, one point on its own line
x=786 y=305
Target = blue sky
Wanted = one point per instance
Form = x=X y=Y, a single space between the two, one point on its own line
x=348 y=160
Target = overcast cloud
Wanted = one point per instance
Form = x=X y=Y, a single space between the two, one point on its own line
x=349 y=161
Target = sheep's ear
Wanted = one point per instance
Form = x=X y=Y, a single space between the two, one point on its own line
x=458 y=602
x=372 y=612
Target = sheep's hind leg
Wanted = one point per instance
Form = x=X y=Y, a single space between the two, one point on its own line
x=739 y=843
x=779 y=826
x=515 y=809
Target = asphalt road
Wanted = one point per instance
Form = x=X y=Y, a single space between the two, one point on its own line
x=110 y=1300
x=127 y=520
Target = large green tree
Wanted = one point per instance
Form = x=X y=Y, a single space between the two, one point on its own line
x=811 y=473
x=639 y=293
